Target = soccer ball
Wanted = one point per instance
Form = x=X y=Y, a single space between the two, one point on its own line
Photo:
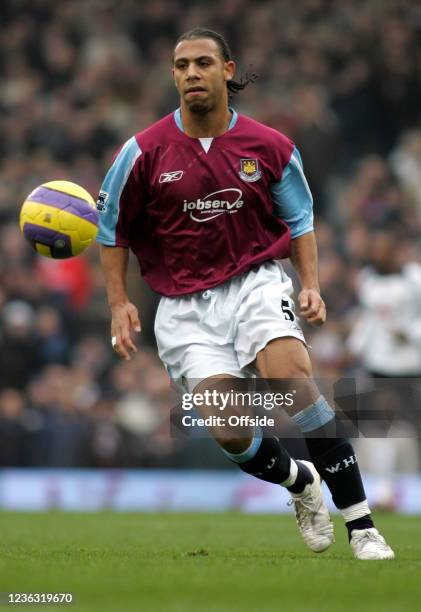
x=59 y=219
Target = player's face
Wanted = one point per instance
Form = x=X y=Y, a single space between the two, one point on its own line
x=382 y=252
x=201 y=74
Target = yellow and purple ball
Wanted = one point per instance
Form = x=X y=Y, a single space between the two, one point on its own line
x=59 y=219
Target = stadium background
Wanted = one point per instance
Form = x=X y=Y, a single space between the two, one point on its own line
x=78 y=78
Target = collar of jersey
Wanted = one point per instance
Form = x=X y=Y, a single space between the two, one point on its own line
x=179 y=123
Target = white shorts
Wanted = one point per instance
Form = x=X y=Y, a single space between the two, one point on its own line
x=221 y=330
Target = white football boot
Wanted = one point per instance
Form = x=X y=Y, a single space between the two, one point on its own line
x=369 y=545
x=312 y=514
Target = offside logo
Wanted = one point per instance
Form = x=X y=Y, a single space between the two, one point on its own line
x=210 y=207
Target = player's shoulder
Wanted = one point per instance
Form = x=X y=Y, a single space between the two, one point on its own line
x=134 y=148
x=160 y=132
x=275 y=146
x=145 y=141
x=366 y=279
x=265 y=133
x=412 y=271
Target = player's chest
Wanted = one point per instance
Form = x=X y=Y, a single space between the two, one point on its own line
x=388 y=295
x=191 y=179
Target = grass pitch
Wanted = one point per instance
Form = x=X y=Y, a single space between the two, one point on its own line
x=203 y=562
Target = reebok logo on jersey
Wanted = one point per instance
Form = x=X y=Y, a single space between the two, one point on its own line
x=210 y=207
x=169 y=177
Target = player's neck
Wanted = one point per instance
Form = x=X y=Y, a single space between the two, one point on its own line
x=214 y=123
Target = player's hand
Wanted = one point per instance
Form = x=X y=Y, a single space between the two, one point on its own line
x=125 y=320
x=312 y=307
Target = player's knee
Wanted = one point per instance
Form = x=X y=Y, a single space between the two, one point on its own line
x=296 y=368
x=285 y=359
x=234 y=444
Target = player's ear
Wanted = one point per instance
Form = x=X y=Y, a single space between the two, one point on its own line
x=229 y=70
x=173 y=76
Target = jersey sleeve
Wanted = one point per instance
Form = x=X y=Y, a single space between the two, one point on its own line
x=293 y=202
x=119 y=197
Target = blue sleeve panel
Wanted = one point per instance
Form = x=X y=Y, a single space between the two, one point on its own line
x=108 y=204
x=293 y=202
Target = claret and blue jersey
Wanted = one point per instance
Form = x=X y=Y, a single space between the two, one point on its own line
x=197 y=212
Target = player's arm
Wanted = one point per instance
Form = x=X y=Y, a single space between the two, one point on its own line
x=293 y=203
x=118 y=204
x=124 y=314
x=304 y=260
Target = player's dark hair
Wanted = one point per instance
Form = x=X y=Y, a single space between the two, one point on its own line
x=232 y=86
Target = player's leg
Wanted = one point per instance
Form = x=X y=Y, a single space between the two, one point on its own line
x=285 y=359
x=193 y=341
x=258 y=455
x=195 y=337
x=264 y=457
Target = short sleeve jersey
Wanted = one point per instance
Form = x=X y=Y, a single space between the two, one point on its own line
x=197 y=212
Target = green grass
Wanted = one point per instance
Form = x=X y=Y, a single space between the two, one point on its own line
x=203 y=562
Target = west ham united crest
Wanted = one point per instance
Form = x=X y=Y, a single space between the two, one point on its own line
x=249 y=170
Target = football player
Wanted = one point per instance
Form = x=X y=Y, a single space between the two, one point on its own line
x=210 y=201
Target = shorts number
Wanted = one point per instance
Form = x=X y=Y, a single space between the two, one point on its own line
x=287 y=309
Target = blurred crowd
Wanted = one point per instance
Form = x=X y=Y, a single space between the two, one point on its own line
x=342 y=79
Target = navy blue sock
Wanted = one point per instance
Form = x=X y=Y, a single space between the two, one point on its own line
x=271 y=462
x=335 y=460
x=365 y=522
x=304 y=477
